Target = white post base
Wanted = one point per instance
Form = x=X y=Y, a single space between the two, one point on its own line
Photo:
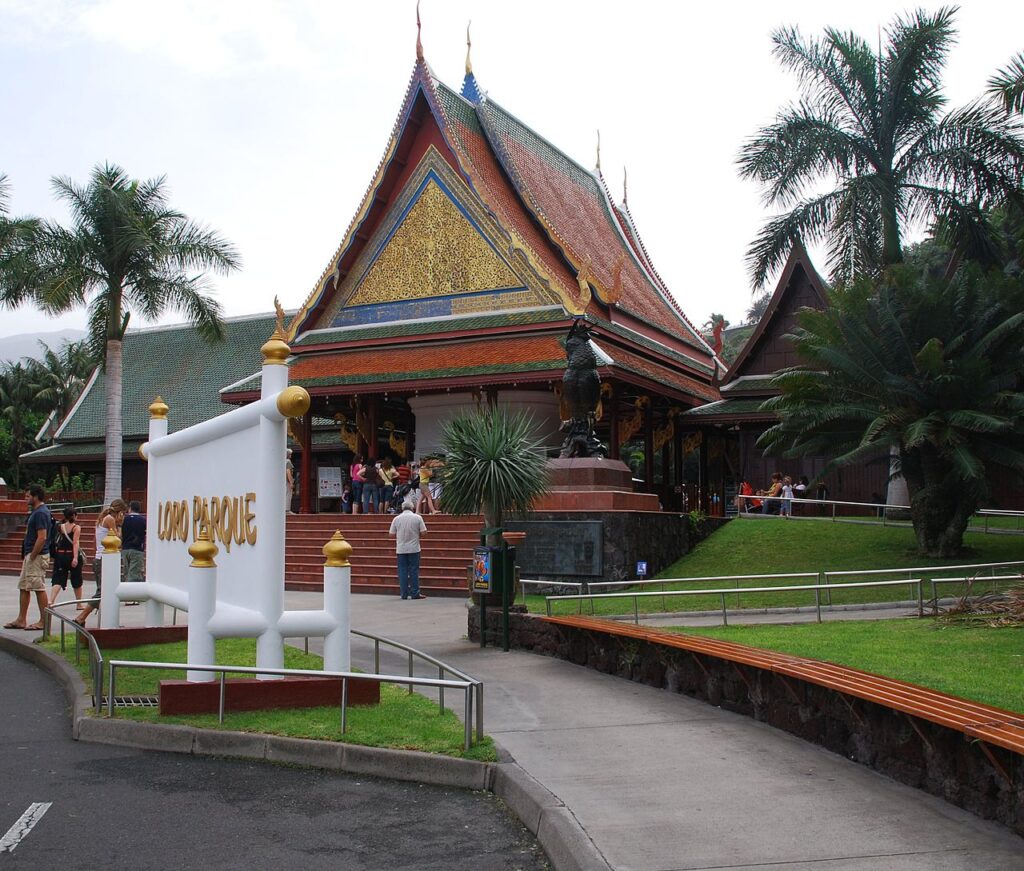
x=202 y=602
x=337 y=597
x=269 y=652
x=110 y=605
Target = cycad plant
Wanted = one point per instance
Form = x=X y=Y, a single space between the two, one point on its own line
x=493 y=466
x=931 y=365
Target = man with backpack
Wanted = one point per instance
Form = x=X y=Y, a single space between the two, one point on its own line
x=35 y=564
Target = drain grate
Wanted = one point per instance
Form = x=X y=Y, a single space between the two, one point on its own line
x=134 y=701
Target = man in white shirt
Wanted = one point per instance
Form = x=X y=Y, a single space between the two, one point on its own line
x=406 y=529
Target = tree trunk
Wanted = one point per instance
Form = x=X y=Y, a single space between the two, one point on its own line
x=892 y=244
x=113 y=441
x=940 y=507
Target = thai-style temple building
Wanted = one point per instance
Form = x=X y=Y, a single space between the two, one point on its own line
x=475 y=246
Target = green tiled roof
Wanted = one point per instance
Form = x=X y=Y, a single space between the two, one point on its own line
x=727 y=406
x=418 y=328
x=77 y=451
x=177 y=364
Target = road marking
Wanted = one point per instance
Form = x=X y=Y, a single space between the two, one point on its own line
x=17 y=832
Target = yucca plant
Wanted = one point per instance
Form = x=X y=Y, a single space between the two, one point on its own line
x=494 y=465
x=931 y=365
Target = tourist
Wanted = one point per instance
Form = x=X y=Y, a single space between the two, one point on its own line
x=133 y=544
x=437 y=484
x=787 y=497
x=387 y=475
x=346 y=498
x=35 y=560
x=66 y=554
x=743 y=503
x=289 y=480
x=371 y=486
x=404 y=473
x=357 y=472
x=774 y=491
x=108 y=523
x=800 y=491
x=425 y=500
x=407 y=528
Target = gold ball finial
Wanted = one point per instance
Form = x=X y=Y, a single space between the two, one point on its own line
x=275 y=350
x=203 y=550
x=158 y=409
x=337 y=551
x=293 y=401
x=111 y=543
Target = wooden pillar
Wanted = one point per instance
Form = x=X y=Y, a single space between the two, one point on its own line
x=613 y=423
x=372 y=425
x=705 y=484
x=306 y=465
x=649 y=447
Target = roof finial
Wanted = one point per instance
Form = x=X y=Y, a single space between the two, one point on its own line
x=469 y=45
x=625 y=189
x=419 y=41
x=599 y=151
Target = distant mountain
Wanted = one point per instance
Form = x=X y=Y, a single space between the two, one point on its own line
x=13 y=348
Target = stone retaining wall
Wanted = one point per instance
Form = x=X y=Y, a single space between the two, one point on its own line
x=925 y=755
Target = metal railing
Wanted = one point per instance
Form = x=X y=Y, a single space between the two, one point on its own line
x=524 y=582
x=924 y=572
x=817 y=589
x=880 y=512
x=969 y=581
x=344 y=676
x=95 y=655
x=442 y=669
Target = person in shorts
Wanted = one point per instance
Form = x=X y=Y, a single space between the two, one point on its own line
x=35 y=563
x=67 y=557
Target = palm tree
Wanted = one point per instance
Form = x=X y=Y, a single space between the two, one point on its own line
x=871 y=127
x=18 y=410
x=16 y=235
x=493 y=465
x=58 y=378
x=1007 y=86
x=125 y=252
x=922 y=362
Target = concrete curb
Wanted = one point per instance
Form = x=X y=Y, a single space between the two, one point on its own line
x=566 y=843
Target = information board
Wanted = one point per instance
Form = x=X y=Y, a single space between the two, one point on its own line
x=329 y=478
x=561 y=547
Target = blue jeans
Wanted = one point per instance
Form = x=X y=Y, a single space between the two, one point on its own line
x=357 y=492
x=371 y=495
x=409 y=574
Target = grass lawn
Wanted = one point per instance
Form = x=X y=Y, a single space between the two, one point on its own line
x=978 y=663
x=746 y=547
x=401 y=721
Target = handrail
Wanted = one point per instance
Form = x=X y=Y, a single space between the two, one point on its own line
x=95 y=654
x=921 y=569
x=735 y=591
x=965 y=580
x=345 y=676
x=442 y=667
x=711 y=578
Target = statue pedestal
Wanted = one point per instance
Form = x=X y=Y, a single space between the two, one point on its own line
x=593 y=484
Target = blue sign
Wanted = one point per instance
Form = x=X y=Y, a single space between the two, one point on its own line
x=641 y=568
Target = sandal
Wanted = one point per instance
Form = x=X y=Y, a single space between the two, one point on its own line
x=14 y=624
x=33 y=628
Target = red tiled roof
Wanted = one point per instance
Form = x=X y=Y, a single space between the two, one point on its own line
x=420 y=362
x=661 y=374
x=572 y=202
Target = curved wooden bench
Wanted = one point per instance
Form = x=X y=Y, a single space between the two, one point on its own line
x=982 y=723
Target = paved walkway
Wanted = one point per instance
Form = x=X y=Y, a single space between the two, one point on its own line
x=662 y=782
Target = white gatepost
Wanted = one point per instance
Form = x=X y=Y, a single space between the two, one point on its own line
x=110 y=580
x=202 y=603
x=337 y=600
x=157 y=430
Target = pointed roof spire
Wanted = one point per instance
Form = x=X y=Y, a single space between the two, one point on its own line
x=470 y=90
x=599 y=151
x=625 y=189
x=419 y=28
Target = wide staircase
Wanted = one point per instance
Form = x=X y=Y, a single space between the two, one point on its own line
x=447 y=551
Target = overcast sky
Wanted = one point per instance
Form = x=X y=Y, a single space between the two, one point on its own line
x=269 y=118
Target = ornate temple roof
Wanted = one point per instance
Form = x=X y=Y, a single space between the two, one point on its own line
x=526 y=229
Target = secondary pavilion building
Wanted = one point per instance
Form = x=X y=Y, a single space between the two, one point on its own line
x=475 y=246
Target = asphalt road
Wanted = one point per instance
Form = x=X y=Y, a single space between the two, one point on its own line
x=115 y=808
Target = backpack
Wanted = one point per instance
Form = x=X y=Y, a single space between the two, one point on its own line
x=60 y=542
